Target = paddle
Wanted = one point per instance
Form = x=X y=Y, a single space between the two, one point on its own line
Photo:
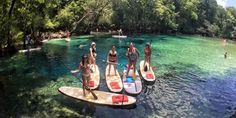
x=134 y=77
x=87 y=88
x=113 y=63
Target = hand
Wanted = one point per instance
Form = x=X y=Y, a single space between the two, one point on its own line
x=74 y=71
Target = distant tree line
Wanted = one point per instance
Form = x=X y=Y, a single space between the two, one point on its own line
x=22 y=17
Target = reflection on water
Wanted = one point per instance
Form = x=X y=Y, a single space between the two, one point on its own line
x=193 y=79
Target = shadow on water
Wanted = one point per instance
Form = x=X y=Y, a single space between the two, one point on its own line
x=20 y=79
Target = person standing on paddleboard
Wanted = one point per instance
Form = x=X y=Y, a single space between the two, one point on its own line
x=93 y=54
x=86 y=72
x=147 y=52
x=112 y=59
x=132 y=53
x=120 y=32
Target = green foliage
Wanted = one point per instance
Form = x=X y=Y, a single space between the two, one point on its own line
x=22 y=17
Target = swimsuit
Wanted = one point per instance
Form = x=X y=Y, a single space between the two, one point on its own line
x=94 y=52
x=133 y=56
x=112 y=55
x=86 y=70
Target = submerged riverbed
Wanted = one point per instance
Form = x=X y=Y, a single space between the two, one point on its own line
x=193 y=79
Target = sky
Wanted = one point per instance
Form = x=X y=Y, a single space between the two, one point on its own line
x=226 y=3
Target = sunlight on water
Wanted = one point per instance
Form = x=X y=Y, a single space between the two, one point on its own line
x=193 y=78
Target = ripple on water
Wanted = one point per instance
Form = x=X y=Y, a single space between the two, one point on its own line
x=192 y=80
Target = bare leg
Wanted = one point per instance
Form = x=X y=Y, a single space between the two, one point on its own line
x=149 y=62
x=87 y=81
x=109 y=69
x=114 y=66
x=84 y=84
x=134 y=66
x=94 y=62
x=129 y=65
x=145 y=60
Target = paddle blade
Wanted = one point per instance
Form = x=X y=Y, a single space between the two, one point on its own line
x=134 y=75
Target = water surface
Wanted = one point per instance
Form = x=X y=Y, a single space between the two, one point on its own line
x=193 y=79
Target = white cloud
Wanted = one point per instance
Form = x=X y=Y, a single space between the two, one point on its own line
x=221 y=2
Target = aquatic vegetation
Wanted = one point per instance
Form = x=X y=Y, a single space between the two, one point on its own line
x=193 y=79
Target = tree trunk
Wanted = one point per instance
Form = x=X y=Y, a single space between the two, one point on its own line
x=9 y=38
x=76 y=23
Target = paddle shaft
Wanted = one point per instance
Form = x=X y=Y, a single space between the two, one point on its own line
x=134 y=81
x=87 y=88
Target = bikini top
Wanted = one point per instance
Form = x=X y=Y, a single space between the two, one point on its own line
x=112 y=54
x=84 y=66
x=93 y=50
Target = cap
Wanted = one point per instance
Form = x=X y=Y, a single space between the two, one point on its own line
x=147 y=44
x=93 y=43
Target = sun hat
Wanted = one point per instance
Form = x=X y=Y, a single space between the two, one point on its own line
x=93 y=43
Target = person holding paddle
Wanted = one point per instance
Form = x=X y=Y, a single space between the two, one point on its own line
x=93 y=54
x=112 y=59
x=132 y=53
x=147 y=52
x=86 y=72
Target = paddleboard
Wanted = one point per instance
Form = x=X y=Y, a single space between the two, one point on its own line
x=104 y=98
x=119 y=36
x=44 y=41
x=113 y=81
x=131 y=85
x=147 y=75
x=67 y=39
x=95 y=77
x=30 y=50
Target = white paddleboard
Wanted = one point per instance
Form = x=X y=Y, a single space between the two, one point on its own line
x=113 y=81
x=147 y=75
x=95 y=77
x=119 y=36
x=104 y=98
x=67 y=39
x=132 y=86
x=30 y=50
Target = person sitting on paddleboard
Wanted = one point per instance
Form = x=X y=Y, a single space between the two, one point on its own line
x=132 y=53
x=147 y=52
x=93 y=54
x=86 y=72
x=112 y=59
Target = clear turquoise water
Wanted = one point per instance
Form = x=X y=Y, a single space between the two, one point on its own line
x=193 y=79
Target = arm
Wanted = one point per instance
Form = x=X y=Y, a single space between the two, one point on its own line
x=108 y=57
x=91 y=53
x=127 y=52
x=77 y=70
x=137 y=51
x=116 y=57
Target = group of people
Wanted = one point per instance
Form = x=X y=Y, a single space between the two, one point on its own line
x=89 y=61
